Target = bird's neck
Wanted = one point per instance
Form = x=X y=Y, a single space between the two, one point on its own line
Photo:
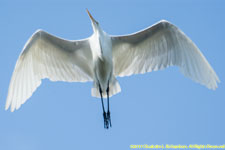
x=95 y=43
x=98 y=31
x=100 y=44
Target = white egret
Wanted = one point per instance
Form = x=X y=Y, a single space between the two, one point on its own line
x=102 y=57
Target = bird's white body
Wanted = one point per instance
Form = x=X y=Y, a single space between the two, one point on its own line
x=101 y=47
x=102 y=57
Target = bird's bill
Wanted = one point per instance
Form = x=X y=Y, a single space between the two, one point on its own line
x=89 y=14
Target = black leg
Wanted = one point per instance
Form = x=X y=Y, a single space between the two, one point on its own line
x=106 y=125
x=108 y=112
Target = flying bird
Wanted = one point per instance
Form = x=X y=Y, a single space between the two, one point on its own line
x=102 y=57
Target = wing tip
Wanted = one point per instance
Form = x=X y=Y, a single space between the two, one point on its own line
x=213 y=88
x=12 y=109
x=7 y=105
x=6 y=108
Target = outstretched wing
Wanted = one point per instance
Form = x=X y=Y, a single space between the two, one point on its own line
x=47 y=56
x=158 y=47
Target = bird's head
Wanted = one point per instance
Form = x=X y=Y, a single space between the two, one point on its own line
x=95 y=23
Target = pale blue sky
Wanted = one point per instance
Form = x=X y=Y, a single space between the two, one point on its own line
x=160 y=107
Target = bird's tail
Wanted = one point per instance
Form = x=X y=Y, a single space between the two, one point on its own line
x=114 y=88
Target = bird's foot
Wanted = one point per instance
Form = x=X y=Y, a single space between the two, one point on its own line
x=109 y=118
x=106 y=123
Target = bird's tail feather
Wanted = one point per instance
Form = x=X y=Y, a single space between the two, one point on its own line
x=114 y=88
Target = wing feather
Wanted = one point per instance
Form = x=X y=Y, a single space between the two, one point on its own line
x=158 y=47
x=47 y=56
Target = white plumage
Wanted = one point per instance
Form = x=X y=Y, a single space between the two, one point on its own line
x=102 y=57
